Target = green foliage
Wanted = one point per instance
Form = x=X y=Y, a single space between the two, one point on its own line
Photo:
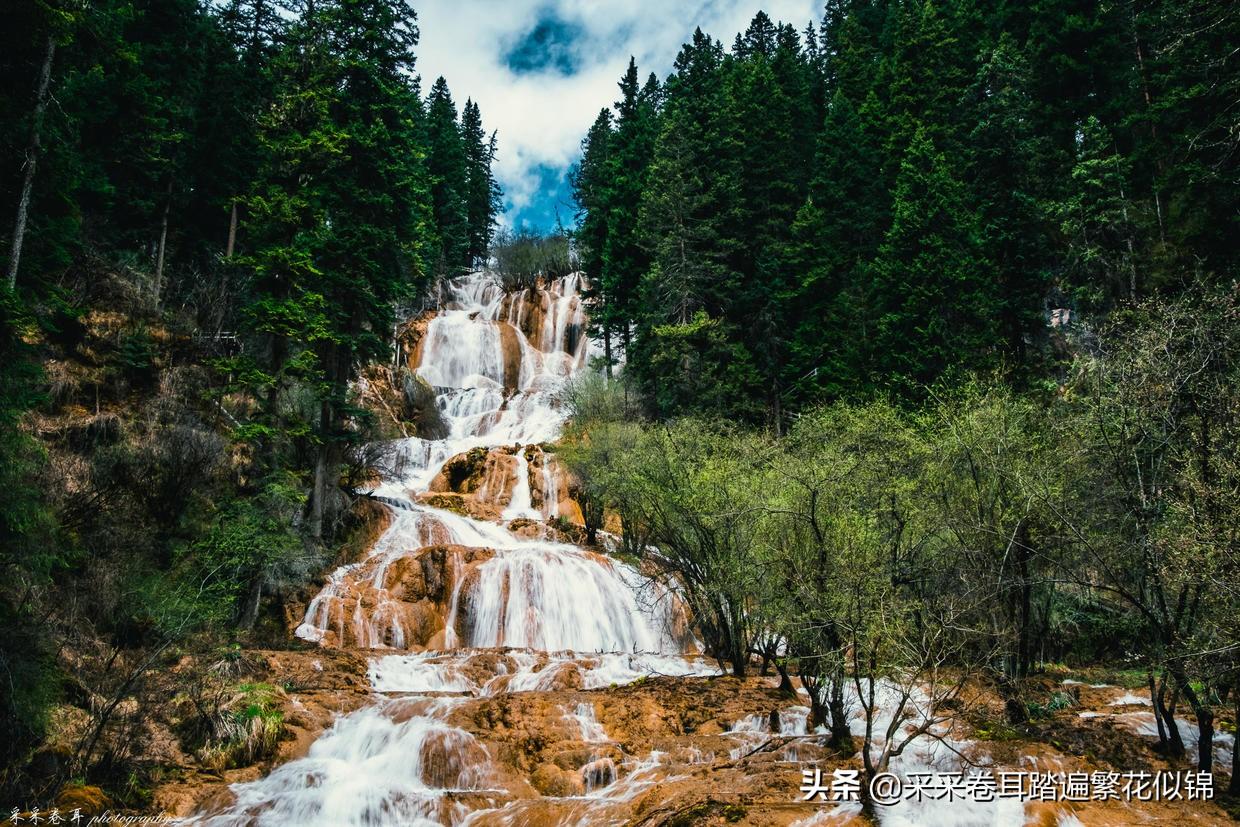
x=248 y=728
x=935 y=306
x=1056 y=702
x=522 y=257
x=904 y=193
x=992 y=530
x=136 y=356
x=31 y=551
x=697 y=363
x=679 y=489
x=484 y=197
x=251 y=539
x=363 y=196
x=448 y=166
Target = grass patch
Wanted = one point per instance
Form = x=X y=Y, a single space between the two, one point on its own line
x=1056 y=702
x=248 y=728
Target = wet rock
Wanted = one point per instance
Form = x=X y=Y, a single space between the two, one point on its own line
x=462 y=473
x=510 y=347
x=598 y=773
x=411 y=337
x=433 y=562
x=551 y=780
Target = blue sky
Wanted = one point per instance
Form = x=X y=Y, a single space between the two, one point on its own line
x=541 y=70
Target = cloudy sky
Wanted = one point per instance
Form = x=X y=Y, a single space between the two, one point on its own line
x=541 y=71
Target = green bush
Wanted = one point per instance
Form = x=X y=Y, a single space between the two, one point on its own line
x=523 y=256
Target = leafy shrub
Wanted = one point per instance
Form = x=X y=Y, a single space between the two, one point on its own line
x=524 y=256
x=251 y=542
x=135 y=357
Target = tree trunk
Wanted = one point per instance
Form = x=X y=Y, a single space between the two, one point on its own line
x=740 y=659
x=1149 y=106
x=336 y=361
x=817 y=713
x=232 y=231
x=785 y=680
x=1014 y=708
x=276 y=356
x=607 y=349
x=1233 y=787
x=1205 y=723
x=777 y=415
x=841 y=735
x=163 y=244
x=1162 y=728
x=832 y=713
x=1023 y=644
x=32 y=160
x=320 y=474
x=249 y=610
x=1175 y=741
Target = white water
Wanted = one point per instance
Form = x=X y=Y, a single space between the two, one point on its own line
x=550 y=490
x=372 y=767
x=522 y=502
x=564 y=609
x=591 y=730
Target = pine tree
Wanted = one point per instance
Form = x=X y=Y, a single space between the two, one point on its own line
x=772 y=187
x=448 y=167
x=625 y=259
x=758 y=40
x=337 y=215
x=931 y=68
x=932 y=294
x=1099 y=220
x=1007 y=159
x=483 y=192
x=682 y=219
x=836 y=234
x=687 y=224
x=226 y=152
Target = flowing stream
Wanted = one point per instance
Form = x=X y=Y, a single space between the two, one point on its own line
x=497 y=361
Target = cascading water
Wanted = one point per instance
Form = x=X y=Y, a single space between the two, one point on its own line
x=521 y=504
x=496 y=360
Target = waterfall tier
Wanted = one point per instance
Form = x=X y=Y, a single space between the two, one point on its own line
x=469 y=592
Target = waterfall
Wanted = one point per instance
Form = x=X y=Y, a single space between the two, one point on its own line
x=550 y=490
x=564 y=615
x=521 y=504
x=553 y=599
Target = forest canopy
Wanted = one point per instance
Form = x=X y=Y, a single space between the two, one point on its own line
x=908 y=191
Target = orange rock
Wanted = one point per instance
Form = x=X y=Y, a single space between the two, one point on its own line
x=551 y=780
x=411 y=337
x=91 y=801
x=510 y=348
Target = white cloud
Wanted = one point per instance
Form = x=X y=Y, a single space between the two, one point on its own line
x=542 y=117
